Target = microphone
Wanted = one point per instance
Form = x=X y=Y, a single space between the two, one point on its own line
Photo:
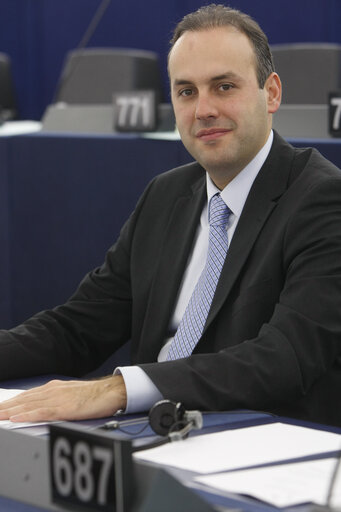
x=332 y=482
x=82 y=43
x=93 y=24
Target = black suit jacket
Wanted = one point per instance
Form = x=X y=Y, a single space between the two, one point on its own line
x=272 y=340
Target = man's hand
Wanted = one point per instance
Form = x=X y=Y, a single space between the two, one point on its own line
x=67 y=400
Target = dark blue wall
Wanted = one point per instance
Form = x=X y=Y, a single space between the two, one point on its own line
x=38 y=33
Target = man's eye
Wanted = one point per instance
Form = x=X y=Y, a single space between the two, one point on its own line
x=226 y=87
x=185 y=92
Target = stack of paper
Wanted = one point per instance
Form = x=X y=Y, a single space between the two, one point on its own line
x=226 y=453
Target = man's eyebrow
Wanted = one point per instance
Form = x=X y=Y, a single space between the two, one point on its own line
x=182 y=81
x=229 y=75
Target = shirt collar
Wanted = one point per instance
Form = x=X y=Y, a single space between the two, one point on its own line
x=235 y=193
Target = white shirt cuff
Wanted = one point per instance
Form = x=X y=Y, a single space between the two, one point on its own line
x=142 y=393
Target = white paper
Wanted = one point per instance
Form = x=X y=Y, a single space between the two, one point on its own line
x=6 y=394
x=284 y=485
x=244 y=447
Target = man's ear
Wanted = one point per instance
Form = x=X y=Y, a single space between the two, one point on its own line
x=273 y=88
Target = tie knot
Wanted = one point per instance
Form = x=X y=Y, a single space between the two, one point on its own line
x=219 y=212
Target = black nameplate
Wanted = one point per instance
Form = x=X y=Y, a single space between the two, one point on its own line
x=135 y=111
x=335 y=114
x=90 y=471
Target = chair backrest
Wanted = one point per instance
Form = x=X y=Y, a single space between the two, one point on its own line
x=309 y=71
x=8 y=106
x=91 y=75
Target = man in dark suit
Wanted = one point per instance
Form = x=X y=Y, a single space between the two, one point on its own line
x=271 y=337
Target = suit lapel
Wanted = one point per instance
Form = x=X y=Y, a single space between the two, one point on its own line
x=270 y=184
x=176 y=245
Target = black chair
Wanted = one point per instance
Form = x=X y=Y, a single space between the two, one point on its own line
x=91 y=75
x=8 y=106
x=309 y=71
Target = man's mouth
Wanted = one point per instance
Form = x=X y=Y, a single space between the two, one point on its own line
x=211 y=133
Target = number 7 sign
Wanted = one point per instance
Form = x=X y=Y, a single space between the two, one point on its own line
x=335 y=114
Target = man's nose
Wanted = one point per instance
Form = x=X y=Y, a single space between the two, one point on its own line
x=205 y=107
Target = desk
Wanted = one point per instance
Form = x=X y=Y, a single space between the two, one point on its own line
x=63 y=200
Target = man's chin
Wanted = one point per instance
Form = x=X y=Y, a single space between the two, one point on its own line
x=214 y=164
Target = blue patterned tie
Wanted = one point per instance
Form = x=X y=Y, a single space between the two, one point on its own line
x=192 y=324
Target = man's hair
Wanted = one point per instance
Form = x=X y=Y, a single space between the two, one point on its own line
x=218 y=15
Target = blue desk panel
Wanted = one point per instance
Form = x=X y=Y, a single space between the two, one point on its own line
x=69 y=197
x=5 y=298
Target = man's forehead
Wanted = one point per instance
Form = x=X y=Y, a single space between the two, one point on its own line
x=193 y=37
x=214 y=46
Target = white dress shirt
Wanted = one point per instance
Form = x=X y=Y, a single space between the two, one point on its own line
x=141 y=391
